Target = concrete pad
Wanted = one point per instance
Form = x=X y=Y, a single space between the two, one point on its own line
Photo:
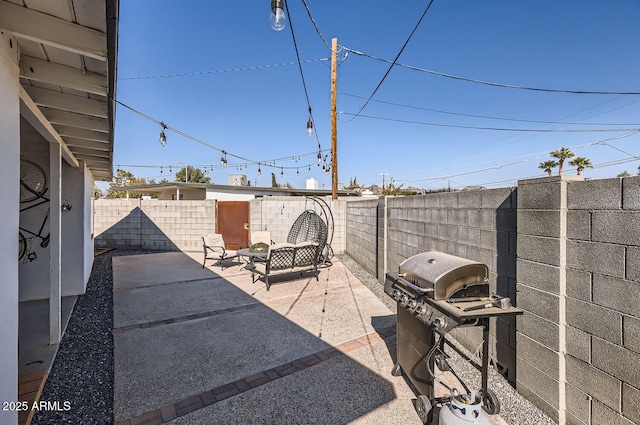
x=152 y=269
x=357 y=388
x=160 y=365
x=148 y=304
x=338 y=316
x=34 y=351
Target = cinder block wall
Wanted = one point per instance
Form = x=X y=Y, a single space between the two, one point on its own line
x=153 y=224
x=278 y=213
x=362 y=232
x=603 y=300
x=578 y=279
x=478 y=225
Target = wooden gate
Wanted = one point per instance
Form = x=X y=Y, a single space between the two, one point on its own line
x=232 y=221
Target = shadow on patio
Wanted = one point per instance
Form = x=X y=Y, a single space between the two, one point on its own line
x=201 y=346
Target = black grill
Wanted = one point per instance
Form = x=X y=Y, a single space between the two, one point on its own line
x=435 y=293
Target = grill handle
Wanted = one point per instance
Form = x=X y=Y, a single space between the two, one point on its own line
x=408 y=285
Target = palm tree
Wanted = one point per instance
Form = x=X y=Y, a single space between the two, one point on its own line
x=580 y=163
x=562 y=154
x=548 y=166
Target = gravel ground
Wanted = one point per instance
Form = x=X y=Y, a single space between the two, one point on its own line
x=82 y=372
x=515 y=409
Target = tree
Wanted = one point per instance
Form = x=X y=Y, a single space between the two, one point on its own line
x=191 y=174
x=353 y=185
x=562 y=154
x=580 y=163
x=96 y=193
x=392 y=189
x=124 y=178
x=548 y=166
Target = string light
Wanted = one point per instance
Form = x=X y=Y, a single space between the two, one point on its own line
x=277 y=19
x=281 y=171
x=259 y=170
x=309 y=127
x=163 y=138
x=223 y=159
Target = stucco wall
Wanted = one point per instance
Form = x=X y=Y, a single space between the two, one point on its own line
x=9 y=218
x=75 y=238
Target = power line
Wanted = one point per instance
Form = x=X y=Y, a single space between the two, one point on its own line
x=315 y=25
x=394 y=62
x=222 y=71
x=536 y=156
x=477 y=116
x=524 y=130
x=489 y=83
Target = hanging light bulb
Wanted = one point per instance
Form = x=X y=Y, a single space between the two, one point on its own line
x=281 y=171
x=309 y=167
x=298 y=171
x=278 y=20
x=223 y=159
x=259 y=170
x=160 y=170
x=163 y=138
x=319 y=158
x=309 y=128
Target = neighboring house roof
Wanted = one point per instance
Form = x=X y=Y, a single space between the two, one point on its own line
x=254 y=190
x=68 y=53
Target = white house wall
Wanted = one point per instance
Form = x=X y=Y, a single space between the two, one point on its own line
x=76 y=233
x=9 y=218
x=76 y=236
x=222 y=196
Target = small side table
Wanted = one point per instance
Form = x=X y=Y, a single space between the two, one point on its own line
x=252 y=256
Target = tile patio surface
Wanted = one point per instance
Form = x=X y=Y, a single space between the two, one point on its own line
x=199 y=345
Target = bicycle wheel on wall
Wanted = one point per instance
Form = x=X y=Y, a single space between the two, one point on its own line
x=33 y=181
x=22 y=245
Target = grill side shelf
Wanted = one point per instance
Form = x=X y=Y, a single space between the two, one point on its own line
x=456 y=310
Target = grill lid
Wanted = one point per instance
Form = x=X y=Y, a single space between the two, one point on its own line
x=445 y=273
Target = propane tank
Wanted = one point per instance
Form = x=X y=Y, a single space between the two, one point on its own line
x=463 y=409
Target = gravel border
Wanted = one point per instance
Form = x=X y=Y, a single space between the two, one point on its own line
x=82 y=372
x=516 y=410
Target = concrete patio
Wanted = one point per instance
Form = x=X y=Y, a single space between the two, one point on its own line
x=197 y=345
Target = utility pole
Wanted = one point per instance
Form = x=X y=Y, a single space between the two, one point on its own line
x=334 y=121
x=383 y=174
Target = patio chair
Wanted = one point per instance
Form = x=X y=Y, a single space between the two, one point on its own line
x=310 y=227
x=214 y=249
x=263 y=236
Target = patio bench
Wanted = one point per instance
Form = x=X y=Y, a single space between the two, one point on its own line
x=283 y=258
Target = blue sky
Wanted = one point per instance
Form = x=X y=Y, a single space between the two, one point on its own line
x=261 y=114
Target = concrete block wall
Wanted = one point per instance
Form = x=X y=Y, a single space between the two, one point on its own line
x=361 y=232
x=278 y=213
x=603 y=301
x=578 y=282
x=478 y=225
x=153 y=224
